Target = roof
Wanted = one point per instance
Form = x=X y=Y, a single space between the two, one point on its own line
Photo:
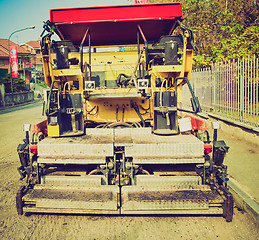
x=110 y=25
x=33 y=44
x=4 y=45
x=3 y=52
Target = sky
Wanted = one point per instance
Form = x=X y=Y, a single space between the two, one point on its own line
x=19 y=14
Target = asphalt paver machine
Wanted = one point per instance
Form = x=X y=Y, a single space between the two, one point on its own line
x=116 y=139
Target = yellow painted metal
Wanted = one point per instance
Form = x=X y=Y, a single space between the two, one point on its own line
x=48 y=63
x=67 y=72
x=53 y=130
x=111 y=63
x=123 y=92
x=188 y=63
x=184 y=56
x=167 y=69
x=111 y=110
x=109 y=103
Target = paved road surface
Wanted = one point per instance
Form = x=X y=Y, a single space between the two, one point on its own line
x=243 y=163
x=62 y=227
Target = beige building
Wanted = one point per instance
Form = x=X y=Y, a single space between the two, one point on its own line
x=25 y=59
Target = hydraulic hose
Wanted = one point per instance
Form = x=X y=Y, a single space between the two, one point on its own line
x=136 y=108
x=49 y=96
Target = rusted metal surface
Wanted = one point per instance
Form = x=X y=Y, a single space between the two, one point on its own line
x=160 y=200
x=173 y=198
x=31 y=209
x=64 y=197
x=184 y=195
x=69 y=195
x=19 y=202
x=228 y=205
x=45 y=196
x=103 y=200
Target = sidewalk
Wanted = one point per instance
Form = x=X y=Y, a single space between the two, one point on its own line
x=17 y=106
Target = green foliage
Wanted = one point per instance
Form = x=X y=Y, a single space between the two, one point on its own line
x=223 y=29
x=19 y=84
x=200 y=61
x=239 y=45
x=42 y=84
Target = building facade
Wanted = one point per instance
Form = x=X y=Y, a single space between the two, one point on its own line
x=36 y=60
x=25 y=64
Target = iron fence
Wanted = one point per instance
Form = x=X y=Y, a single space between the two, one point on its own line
x=229 y=89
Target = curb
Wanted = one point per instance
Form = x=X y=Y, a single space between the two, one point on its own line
x=243 y=200
x=236 y=123
x=20 y=105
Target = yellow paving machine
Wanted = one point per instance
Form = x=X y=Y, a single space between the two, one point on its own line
x=116 y=139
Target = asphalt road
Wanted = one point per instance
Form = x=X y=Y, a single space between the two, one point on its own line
x=242 y=159
x=47 y=226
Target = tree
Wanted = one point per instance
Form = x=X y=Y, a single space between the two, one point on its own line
x=18 y=84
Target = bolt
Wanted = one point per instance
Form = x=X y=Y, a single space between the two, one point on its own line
x=110 y=165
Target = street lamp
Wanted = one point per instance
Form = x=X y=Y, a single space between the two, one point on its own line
x=31 y=27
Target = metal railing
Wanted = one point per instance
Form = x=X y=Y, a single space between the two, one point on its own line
x=229 y=89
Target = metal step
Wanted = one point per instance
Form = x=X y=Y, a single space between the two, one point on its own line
x=99 y=199
x=65 y=180
x=168 y=200
x=151 y=180
x=181 y=199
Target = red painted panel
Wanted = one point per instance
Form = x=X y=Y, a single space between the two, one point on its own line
x=112 y=25
x=116 y=13
x=198 y=124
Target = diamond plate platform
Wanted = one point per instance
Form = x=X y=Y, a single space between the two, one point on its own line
x=151 y=180
x=170 y=199
x=71 y=197
x=139 y=143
